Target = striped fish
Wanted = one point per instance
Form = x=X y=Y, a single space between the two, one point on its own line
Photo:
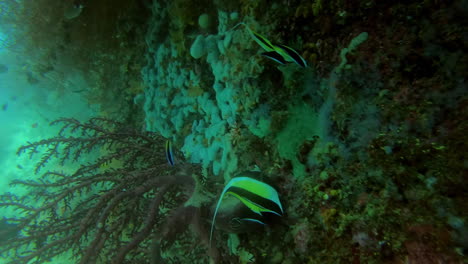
x=258 y=196
x=169 y=153
x=290 y=55
x=279 y=53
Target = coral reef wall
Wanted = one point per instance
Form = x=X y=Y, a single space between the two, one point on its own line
x=205 y=87
x=350 y=116
x=361 y=143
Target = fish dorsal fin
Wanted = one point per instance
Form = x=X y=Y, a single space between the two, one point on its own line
x=237 y=25
x=261 y=40
x=264 y=193
x=216 y=209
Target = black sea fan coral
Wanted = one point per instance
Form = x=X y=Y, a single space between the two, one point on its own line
x=104 y=203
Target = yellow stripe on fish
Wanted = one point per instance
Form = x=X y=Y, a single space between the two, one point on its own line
x=279 y=53
x=261 y=40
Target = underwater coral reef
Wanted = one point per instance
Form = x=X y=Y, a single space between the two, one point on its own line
x=297 y=131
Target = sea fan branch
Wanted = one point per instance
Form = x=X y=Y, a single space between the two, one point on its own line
x=106 y=207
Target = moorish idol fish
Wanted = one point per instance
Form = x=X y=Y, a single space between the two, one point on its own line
x=279 y=53
x=169 y=153
x=258 y=196
x=290 y=55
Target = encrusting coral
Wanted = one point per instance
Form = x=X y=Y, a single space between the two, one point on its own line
x=100 y=207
